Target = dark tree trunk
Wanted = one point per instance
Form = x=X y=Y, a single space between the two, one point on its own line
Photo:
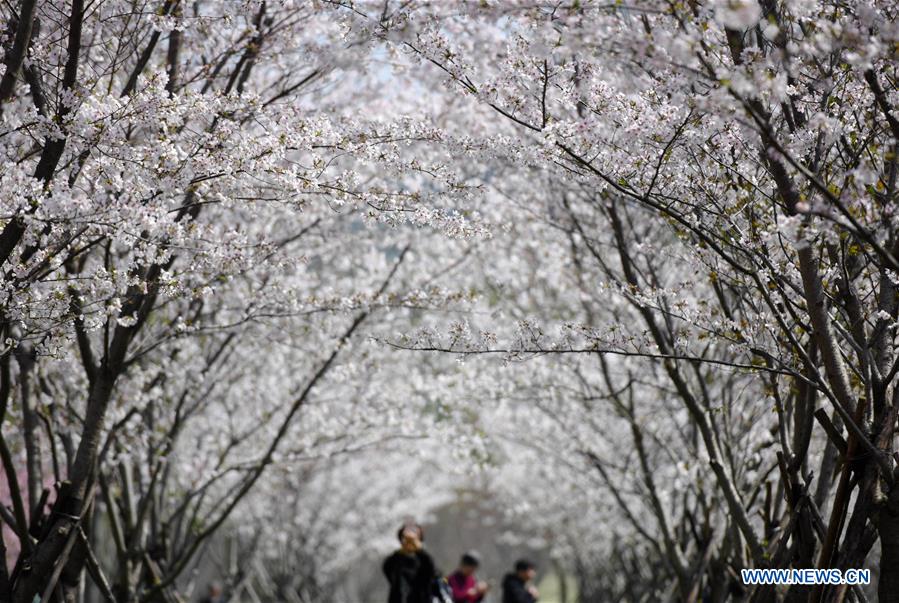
x=64 y=519
x=888 y=524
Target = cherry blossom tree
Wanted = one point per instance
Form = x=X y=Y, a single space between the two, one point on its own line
x=723 y=174
x=197 y=226
x=670 y=222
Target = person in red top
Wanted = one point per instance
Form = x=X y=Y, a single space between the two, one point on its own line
x=464 y=584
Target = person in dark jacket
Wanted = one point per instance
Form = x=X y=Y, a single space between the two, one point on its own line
x=517 y=587
x=214 y=594
x=410 y=570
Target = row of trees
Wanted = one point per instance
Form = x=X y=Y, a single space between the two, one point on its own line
x=193 y=252
x=701 y=198
x=245 y=241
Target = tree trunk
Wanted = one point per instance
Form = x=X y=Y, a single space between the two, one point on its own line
x=888 y=527
x=68 y=509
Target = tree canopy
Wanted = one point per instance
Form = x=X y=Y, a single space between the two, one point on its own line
x=285 y=271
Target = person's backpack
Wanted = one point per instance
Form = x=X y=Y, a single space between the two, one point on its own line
x=442 y=592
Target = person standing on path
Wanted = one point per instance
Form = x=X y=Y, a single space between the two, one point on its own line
x=410 y=570
x=464 y=584
x=214 y=594
x=517 y=587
